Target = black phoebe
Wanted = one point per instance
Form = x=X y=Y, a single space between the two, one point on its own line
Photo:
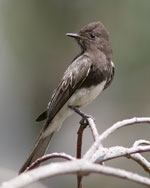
x=89 y=73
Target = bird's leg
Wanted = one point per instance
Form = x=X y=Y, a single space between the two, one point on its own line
x=84 y=116
x=83 y=124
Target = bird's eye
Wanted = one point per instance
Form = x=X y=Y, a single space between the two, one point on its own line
x=92 y=35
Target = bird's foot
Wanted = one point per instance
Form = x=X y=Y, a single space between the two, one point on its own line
x=84 y=116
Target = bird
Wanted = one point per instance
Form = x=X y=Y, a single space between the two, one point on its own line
x=88 y=74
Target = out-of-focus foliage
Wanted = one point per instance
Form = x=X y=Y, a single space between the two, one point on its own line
x=34 y=53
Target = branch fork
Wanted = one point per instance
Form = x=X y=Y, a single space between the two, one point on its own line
x=91 y=160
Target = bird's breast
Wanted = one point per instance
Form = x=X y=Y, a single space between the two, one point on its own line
x=84 y=96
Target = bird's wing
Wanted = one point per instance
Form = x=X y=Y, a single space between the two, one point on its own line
x=112 y=73
x=74 y=76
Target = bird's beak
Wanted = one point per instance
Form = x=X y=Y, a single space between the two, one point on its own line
x=74 y=35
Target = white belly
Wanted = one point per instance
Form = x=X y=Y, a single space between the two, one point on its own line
x=80 y=98
x=84 y=96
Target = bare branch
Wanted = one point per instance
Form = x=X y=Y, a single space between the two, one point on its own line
x=139 y=158
x=124 y=123
x=47 y=157
x=93 y=128
x=141 y=142
x=109 y=131
x=106 y=154
x=141 y=161
x=79 y=150
x=86 y=165
x=81 y=167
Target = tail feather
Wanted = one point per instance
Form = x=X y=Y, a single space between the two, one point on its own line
x=42 y=116
x=38 y=151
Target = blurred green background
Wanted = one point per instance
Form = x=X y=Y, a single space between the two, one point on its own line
x=32 y=47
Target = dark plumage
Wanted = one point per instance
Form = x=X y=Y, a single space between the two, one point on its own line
x=89 y=73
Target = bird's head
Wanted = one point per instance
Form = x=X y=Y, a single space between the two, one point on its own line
x=92 y=37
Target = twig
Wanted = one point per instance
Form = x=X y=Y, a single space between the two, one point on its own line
x=81 y=166
x=141 y=161
x=79 y=150
x=106 y=154
x=138 y=157
x=79 y=140
x=96 y=153
x=109 y=131
x=83 y=125
x=47 y=157
x=141 y=142
x=93 y=128
x=123 y=123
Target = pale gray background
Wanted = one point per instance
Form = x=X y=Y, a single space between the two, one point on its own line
x=32 y=47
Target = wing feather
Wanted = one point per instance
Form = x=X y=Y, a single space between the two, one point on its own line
x=74 y=76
